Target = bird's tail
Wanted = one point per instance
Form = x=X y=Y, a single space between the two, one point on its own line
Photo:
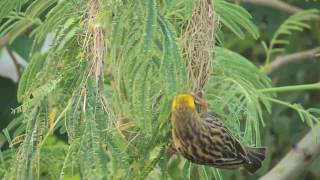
x=255 y=157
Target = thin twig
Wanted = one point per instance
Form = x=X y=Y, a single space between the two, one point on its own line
x=15 y=62
x=294 y=57
x=94 y=41
x=298 y=159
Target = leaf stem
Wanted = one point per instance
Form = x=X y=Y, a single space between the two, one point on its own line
x=314 y=86
x=282 y=103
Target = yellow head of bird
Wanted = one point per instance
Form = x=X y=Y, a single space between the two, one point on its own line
x=183 y=101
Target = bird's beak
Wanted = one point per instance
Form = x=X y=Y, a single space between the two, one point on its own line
x=199 y=101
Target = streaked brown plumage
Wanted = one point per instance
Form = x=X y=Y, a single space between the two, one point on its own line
x=203 y=139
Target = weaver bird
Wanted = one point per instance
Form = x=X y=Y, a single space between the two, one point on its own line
x=203 y=139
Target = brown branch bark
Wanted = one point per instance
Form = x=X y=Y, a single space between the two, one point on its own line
x=294 y=57
x=298 y=159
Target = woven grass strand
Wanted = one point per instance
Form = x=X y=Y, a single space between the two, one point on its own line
x=198 y=44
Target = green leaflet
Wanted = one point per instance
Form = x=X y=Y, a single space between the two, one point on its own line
x=296 y=22
x=142 y=98
x=27 y=79
x=172 y=68
x=19 y=27
x=30 y=17
x=154 y=157
x=67 y=32
x=235 y=18
x=150 y=24
x=54 y=18
x=36 y=8
x=6 y=6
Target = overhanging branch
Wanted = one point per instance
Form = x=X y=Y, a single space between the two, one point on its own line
x=274 y=4
x=298 y=159
x=283 y=6
x=294 y=57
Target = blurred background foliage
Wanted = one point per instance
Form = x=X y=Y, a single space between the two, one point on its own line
x=283 y=127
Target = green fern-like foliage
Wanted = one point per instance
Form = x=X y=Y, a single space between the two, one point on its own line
x=235 y=18
x=119 y=128
x=296 y=22
x=236 y=90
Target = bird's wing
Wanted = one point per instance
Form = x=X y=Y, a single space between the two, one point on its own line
x=234 y=151
x=211 y=118
x=228 y=162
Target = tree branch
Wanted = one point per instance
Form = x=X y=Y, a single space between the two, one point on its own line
x=294 y=57
x=277 y=5
x=4 y=41
x=302 y=154
x=15 y=62
x=274 y=4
